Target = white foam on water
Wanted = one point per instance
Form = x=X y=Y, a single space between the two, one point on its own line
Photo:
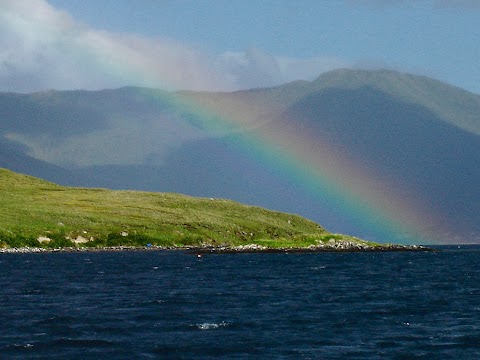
x=210 y=326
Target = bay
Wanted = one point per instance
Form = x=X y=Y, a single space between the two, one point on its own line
x=175 y=305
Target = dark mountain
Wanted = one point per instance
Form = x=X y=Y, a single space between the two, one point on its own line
x=418 y=136
x=13 y=157
x=428 y=157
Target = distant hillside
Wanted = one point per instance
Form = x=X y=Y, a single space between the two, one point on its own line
x=448 y=103
x=428 y=158
x=416 y=136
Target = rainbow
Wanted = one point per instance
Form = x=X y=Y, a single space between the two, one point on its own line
x=315 y=165
x=324 y=173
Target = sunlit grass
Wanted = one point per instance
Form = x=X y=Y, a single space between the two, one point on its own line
x=33 y=208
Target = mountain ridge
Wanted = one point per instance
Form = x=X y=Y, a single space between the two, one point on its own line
x=144 y=138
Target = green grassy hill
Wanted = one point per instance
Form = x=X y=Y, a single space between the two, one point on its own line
x=34 y=210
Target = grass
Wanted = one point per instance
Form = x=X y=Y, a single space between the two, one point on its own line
x=34 y=208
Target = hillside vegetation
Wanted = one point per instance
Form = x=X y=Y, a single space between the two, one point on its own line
x=39 y=213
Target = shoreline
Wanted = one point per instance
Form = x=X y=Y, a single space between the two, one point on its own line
x=241 y=249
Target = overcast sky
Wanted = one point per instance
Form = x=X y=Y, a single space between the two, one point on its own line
x=231 y=44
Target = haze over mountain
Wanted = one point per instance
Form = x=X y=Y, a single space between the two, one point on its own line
x=395 y=139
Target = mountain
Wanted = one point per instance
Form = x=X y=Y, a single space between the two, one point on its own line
x=14 y=157
x=378 y=143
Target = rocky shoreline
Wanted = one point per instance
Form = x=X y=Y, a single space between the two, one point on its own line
x=337 y=247
x=28 y=250
x=342 y=246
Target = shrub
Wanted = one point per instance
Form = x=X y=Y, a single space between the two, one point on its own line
x=9 y=240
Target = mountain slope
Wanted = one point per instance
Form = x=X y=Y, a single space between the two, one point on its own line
x=427 y=158
x=389 y=136
x=451 y=104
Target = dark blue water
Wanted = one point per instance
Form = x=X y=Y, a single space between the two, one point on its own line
x=148 y=305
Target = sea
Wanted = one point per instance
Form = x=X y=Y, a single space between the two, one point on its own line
x=182 y=305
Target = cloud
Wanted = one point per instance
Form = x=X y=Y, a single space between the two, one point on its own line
x=249 y=69
x=311 y=68
x=256 y=68
x=42 y=48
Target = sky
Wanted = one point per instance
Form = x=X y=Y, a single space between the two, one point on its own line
x=224 y=45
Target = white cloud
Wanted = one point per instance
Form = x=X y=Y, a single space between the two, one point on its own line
x=256 y=68
x=252 y=68
x=309 y=69
x=42 y=48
